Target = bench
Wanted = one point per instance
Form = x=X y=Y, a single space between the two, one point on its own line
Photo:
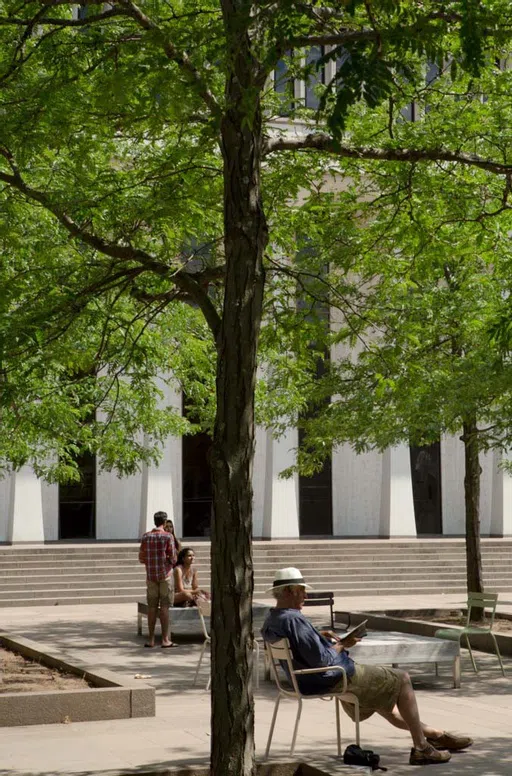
x=185 y=619
x=384 y=647
x=181 y=617
x=321 y=599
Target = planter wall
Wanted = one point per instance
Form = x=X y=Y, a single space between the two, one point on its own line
x=111 y=697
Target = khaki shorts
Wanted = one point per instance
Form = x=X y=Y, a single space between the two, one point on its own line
x=160 y=593
x=376 y=687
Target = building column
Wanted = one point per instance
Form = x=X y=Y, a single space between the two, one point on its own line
x=397 y=504
x=281 y=496
x=501 y=505
x=161 y=484
x=452 y=486
x=25 y=507
x=356 y=484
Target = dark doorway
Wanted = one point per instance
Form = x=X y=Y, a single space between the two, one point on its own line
x=426 y=488
x=315 y=491
x=77 y=502
x=315 y=502
x=197 y=485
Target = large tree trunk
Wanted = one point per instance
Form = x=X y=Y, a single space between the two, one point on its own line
x=245 y=240
x=472 y=506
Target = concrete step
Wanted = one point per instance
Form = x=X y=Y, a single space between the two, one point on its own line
x=305 y=557
x=273 y=549
x=65 y=578
x=67 y=573
x=51 y=575
x=268 y=568
x=83 y=598
x=135 y=592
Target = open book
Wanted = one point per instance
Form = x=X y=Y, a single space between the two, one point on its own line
x=358 y=631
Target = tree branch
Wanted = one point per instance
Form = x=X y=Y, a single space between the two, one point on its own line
x=181 y=58
x=193 y=285
x=330 y=39
x=59 y=22
x=326 y=144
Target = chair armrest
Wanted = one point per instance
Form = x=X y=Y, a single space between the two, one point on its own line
x=322 y=670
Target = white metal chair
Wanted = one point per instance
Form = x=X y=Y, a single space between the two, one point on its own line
x=485 y=601
x=280 y=651
x=204 y=609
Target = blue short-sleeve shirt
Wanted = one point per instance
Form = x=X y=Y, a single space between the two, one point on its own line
x=309 y=649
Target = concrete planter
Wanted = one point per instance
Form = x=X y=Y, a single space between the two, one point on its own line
x=389 y=621
x=112 y=697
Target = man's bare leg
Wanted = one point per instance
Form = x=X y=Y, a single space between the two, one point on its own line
x=151 y=625
x=395 y=718
x=164 y=622
x=408 y=713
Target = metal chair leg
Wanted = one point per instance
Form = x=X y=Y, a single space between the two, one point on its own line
x=456 y=672
x=356 y=722
x=272 y=724
x=475 y=669
x=296 y=728
x=256 y=664
x=205 y=643
x=338 y=724
x=498 y=653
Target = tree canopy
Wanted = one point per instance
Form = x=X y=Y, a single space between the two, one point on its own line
x=155 y=184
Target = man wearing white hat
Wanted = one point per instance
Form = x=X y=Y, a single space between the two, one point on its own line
x=386 y=691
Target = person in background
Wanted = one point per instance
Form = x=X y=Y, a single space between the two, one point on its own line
x=387 y=691
x=169 y=527
x=186 y=584
x=158 y=553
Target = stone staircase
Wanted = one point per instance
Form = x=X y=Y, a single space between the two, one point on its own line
x=105 y=573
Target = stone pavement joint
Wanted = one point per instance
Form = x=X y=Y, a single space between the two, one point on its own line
x=180 y=733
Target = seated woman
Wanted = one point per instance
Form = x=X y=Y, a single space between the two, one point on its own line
x=186 y=585
x=169 y=527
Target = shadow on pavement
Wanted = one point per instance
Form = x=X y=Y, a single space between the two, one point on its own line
x=486 y=758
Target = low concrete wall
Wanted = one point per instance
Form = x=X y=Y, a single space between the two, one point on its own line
x=112 y=697
x=385 y=621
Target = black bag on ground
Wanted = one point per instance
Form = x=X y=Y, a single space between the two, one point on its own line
x=354 y=755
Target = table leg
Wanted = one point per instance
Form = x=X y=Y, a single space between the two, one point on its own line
x=139 y=624
x=456 y=672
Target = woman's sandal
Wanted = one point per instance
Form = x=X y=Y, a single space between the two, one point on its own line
x=168 y=646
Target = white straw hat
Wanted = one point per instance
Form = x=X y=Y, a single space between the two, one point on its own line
x=288 y=576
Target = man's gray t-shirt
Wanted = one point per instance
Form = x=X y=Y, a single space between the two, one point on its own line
x=309 y=649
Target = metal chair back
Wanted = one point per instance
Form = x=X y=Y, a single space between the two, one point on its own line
x=280 y=651
x=485 y=601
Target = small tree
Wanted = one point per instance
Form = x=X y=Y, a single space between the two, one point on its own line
x=433 y=277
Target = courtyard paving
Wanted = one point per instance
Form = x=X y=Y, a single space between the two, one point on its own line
x=180 y=733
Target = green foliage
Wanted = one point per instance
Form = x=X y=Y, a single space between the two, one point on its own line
x=113 y=188
x=431 y=254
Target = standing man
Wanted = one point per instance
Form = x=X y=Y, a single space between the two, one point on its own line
x=158 y=554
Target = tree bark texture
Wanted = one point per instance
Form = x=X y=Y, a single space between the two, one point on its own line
x=245 y=240
x=472 y=507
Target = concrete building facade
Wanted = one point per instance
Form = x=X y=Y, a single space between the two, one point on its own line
x=397 y=493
